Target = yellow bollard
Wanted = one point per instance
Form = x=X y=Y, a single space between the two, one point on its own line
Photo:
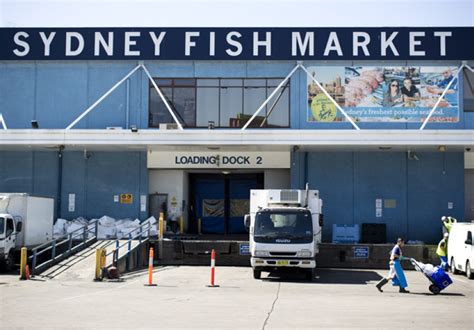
x=181 y=225
x=161 y=225
x=99 y=263
x=23 y=260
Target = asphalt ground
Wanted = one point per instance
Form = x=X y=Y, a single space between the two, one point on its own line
x=337 y=298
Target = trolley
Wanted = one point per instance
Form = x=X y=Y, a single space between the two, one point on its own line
x=439 y=278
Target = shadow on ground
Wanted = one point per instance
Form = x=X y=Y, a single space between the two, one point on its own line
x=326 y=276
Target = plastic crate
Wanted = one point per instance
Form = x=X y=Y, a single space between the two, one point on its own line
x=440 y=278
x=348 y=234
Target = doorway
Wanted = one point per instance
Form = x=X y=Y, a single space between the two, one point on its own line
x=221 y=201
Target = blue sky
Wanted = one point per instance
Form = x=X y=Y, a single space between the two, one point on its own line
x=235 y=13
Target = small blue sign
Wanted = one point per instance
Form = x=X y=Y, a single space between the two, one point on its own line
x=361 y=252
x=244 y=249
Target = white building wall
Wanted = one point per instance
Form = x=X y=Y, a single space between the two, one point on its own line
x=171 y=182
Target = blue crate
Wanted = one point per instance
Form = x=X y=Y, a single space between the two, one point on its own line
x=440 y=278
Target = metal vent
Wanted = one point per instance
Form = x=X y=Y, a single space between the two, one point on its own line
x=289 y=195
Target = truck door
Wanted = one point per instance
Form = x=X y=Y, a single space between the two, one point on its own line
x=9 y=234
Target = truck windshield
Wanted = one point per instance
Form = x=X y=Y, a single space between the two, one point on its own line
x=2 y=226
x=282 y=226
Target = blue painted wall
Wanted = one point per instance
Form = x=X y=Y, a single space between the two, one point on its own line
x=94 y=179
x=350 y=183
x=56 y=93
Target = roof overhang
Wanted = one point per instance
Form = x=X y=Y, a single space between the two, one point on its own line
x=265 y=139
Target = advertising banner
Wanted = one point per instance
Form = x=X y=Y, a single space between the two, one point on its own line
x=383 y=94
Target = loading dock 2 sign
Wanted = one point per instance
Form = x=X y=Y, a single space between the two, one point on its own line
x=126 y=198
x=226 y=159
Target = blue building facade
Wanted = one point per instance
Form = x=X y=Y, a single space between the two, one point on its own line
x=415 y=183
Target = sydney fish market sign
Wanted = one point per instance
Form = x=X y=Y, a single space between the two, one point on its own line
x=391 y=43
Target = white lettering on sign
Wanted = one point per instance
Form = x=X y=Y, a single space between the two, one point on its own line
x=297 y=44
x=69 y=43
x=232 y=42
x=267 y=43
x=442 y=35
x=333 y=44
x=356 y=43
x=189 y=43
x=129 y=43
x=108 y=45
x=384 y=43
x=47 y=41
x=21 y=43
x=157 y=41
x=414 y=42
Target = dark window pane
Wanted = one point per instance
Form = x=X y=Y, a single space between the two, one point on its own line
x=184 y=101
x=207 y=108
x=231 y=106
x=163 y=82
x=468 y=91
x=158 y=111
x=208 y=82
x=185 y=82
x=231 y=82
x=279 y=116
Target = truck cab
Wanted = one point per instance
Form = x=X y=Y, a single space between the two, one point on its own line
x=9 y=229
x=284 y=230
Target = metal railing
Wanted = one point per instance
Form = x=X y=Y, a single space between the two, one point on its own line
x=80 y=235
x=137 y=233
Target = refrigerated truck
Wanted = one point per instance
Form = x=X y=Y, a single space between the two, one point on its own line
x=285 y=230
x=25 y=221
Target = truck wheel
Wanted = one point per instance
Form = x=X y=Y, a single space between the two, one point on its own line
x=310 y=274
x=257 y=274
x=469 y=273
x=9 y=262
x=453 y=267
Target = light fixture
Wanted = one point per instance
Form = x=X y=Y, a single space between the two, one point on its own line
x=133 y=128
x=211 y=124
x=225 y=172
x=34 y=124
x=441 y=148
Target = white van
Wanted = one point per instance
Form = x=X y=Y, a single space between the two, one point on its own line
x=461 y=249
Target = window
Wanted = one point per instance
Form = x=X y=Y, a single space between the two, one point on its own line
x=226 y=103
x=10 y=227
x=468 y=91
x=2 y=225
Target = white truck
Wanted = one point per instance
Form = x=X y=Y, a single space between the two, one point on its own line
x=285 y=230
x=25 y=221
x=461 y=248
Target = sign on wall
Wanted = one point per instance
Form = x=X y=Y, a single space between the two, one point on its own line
x=389 y=43
x=218 y=160
x=383 y=94
x=126 y=198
